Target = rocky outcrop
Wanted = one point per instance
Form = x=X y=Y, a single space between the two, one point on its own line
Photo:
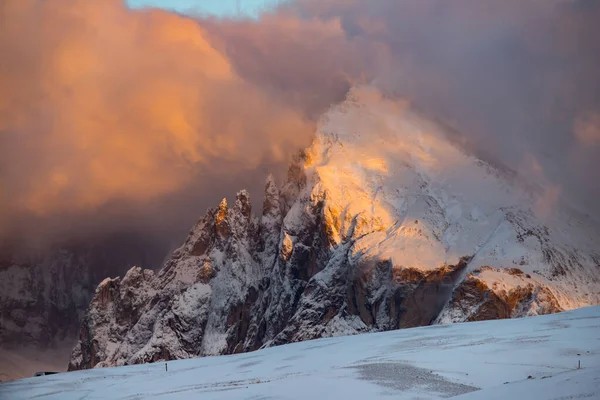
x=370 y=232
x=483 y=295
x=203 y=286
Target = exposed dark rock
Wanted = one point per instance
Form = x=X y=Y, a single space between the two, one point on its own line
x=475 y=300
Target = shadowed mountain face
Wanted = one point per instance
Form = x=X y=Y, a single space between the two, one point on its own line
x=44 y=295
x=382 y=224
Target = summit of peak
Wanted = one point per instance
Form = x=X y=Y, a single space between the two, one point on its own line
x=270 y=182
x=387 y=165
x=223 y=204
x=243 y=204
x=242 y=195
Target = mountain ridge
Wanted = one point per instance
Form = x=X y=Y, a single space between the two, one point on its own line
x=382 y=224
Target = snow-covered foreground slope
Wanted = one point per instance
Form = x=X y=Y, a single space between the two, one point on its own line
x=534 y=357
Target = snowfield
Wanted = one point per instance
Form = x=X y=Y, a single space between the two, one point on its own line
x=527 y=358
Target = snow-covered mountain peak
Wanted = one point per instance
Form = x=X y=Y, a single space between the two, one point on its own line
x=424 y=202
x=383 y=223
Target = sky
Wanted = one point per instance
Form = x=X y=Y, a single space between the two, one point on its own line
x=215 y=7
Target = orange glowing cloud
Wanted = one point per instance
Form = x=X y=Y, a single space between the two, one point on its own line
x=103 y=107
x=102 y=103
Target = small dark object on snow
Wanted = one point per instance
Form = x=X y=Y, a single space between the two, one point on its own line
x=166 y=367
x=530 y=377
x=45 y=373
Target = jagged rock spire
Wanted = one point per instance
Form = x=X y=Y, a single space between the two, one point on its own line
x=271 y=206
x=223 y=205
x=243 y=204
x=221 y=223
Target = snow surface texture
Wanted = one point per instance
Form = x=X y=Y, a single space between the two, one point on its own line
x=384 y=223
x=527 y=358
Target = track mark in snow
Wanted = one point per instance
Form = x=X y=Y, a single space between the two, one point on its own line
x=403 y=377
x=249 y=364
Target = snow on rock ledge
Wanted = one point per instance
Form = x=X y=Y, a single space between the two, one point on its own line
x=382 y=224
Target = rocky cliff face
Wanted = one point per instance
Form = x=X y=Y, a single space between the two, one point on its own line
x=42 y=301
x=44 y=295
x=382 y=224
